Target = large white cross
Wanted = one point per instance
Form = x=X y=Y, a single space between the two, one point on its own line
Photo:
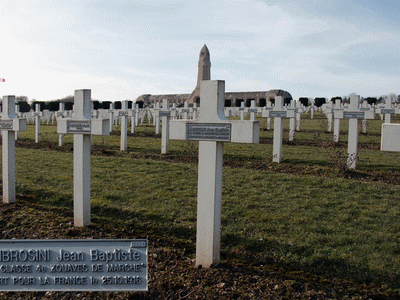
x=82 y=126
x=9 y=124
x=211 y=129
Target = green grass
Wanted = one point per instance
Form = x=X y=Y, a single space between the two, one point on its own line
x=329 y=226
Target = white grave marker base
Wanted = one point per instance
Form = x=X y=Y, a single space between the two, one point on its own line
x=390 y=138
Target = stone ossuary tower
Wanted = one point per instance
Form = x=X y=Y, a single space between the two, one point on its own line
x=204 y=73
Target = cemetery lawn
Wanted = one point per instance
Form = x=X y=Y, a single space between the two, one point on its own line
x=303 y=229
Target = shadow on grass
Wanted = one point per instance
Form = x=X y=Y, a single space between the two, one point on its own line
x=145 y=224
x=271 y=252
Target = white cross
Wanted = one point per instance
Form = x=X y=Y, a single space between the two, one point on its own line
x=353 y=113
x=37 y=115
x=17 y=115
x=211 y=129
x=328 y=110
x=278 y=112
x=149 y=115
x=292 y=120
x=185 y=111
x=369 y=114
x=137 y=115
x=123 y=116
x=111 y=116
x=241 y=110
x=174 y=114
x=195 y=110
x=337 y=116
x=312 y=108
x=300 y=108
x=60 y=115
x=164 y=114
x=267 y=107
x=9 y=124
x=156 y=116
x=132 y=115
x=387 y=110
x=82 y=126
x=252 y=110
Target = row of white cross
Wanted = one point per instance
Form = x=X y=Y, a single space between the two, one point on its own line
x=211 y=128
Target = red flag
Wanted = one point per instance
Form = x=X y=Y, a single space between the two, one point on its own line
x=2 y=80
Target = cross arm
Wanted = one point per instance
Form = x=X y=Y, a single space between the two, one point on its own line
x=239 y=131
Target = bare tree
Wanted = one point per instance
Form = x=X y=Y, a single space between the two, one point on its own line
x=391 y=96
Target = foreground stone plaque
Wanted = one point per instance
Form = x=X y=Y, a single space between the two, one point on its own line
x=209 y=132
x=73 y=265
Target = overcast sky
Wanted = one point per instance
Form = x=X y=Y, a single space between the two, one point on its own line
x=123 y=49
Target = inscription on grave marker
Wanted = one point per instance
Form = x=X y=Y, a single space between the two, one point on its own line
x=73 y=265
x=277 y=114
x=78 y=127
x=353 y=115
x=6 y=124
x=122 y=114
x=164 y=113
x=208 y=132
x=387 y=111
